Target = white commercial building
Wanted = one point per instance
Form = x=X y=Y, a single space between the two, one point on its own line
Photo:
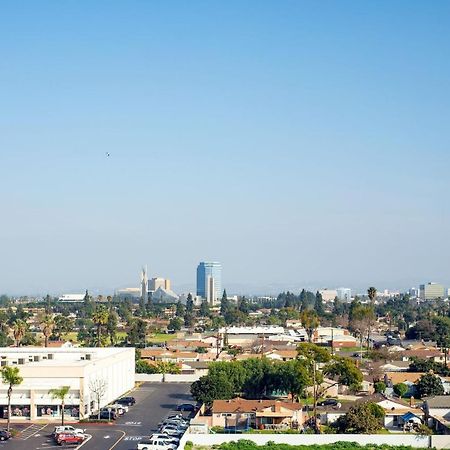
x=82 y=369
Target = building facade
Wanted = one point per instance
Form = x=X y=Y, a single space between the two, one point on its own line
x=85 y=370
x=209 y=281
x=431 y=291
x=344 y=294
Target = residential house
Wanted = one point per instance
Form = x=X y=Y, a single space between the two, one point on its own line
x=437 y=410
x=261 y=414
x=408 y=378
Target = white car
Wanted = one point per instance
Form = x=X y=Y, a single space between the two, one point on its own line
x=171 y=431
x=156 y=444
x=117 y=405
x=165 y=437
x=67 y=429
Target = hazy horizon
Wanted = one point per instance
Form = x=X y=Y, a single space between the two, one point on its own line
x=294 y=142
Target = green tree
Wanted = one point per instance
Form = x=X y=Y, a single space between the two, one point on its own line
x=380 y=387
x=293 y=378
x=11 y=377
x=362 y=418
x=111 y=326
x=204 y=309
x=100 y=319
x=175 y=324
x=310 y=322
x=142 y=366
x=137 y=333
x=372 y=293
x=318 y=304
x=180 y=310
x=60 y=394
x=210 y=388
x=165 y=367
x=429 y=385
x=401 y=389
x=224 y=304
x=190 y=305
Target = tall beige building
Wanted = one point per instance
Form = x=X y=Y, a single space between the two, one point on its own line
x=156 y=283
x=432 y=291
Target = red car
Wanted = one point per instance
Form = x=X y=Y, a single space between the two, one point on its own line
x=69 y=439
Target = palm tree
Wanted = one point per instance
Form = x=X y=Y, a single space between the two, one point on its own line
x=167 y=367
x=47 y=326
x=60 y=394
x=100 y=318
x=19 y=330
x=10 y=376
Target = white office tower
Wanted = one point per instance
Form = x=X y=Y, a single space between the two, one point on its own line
x=144 y=284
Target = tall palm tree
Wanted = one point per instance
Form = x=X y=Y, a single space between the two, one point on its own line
x=19 y=329
x=10 y=376
x=371 y=293
x=47 y=326
x=60 y=394
x=100 y=318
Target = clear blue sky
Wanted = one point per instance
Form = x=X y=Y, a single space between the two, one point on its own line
x=297 y=142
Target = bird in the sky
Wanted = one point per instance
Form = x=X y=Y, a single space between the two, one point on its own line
x=107 y=154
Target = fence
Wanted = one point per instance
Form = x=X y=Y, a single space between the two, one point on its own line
x=414 y=440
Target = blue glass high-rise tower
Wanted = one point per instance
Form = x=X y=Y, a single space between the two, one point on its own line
x=209 y=281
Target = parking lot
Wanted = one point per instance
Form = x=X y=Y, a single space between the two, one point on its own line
x=154 y=401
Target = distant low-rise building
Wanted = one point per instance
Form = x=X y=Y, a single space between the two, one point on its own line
x=328 y=295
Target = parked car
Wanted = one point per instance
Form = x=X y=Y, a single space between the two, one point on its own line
x=186 y=407
x=4 y=435
x=328 y=402
x=178 y=422
x=104 y=415
x=130 y=401
x=69 y=439
x=172 y=431
x=126 y=408
x=155 y=444
x=67 y=429
x=115 y=409
x=165 y=437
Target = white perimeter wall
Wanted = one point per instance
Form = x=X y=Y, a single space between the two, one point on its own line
x=311 y=439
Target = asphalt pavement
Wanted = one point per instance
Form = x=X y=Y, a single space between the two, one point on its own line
x=154 y=401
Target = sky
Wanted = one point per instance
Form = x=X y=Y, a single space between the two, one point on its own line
x=300 y=143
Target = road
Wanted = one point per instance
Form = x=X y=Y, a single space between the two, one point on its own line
x=153 y=402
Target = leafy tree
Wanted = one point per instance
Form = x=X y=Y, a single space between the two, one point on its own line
x=401 y=389
x=204 y=309
x=111 y=326
x=318 y=304
x=424 y=329
x=210 y=388
x=224 y=303
x=180 y=310
x=60 y=394
x=260 y=377
x=142 y=366
x=244 y=306
x=11 y=377
x=293 y=378
x=310 y=322
x=430 y=385
x=380 y=387
x=190 y=305
x=362 y=418
x=175 y=324
x=137 y=333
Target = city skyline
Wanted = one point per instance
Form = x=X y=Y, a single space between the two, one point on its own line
x=295 y=143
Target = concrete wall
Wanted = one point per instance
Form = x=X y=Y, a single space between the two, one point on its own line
x=157 y=377
x=311 y=439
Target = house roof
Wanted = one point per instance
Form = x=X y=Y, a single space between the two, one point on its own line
x=439 y=401
x=245 y=406
x=403 y=377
